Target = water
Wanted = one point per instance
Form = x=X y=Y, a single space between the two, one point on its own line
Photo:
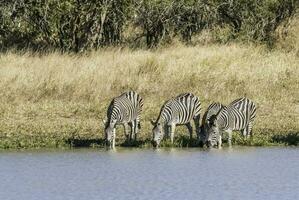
x=239 y=173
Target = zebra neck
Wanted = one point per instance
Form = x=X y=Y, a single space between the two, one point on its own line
x=223 y=125
x=115 y=116
x=112 y=122
x=162 y=121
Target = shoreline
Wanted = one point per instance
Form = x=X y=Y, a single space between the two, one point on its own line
x=291 y=139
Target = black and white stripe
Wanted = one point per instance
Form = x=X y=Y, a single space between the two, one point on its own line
x=124 y=109
x=211 y=110
x=238 y=115
x=177 y=111
x=248 y=108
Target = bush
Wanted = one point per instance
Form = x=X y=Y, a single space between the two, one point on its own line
x=67 y=25
x=73 y=25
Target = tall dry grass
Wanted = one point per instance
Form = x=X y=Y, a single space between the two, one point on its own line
x=54 y=98
x=287 y=35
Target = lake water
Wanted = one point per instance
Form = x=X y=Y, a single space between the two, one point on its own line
x=238 y=173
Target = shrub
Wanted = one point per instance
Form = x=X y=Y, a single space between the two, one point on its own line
x=73 y=25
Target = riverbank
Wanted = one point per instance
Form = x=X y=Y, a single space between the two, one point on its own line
x=59 y=100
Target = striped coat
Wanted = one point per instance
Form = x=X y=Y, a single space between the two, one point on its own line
x=238 y=115
x=126 y=110
x=180 y=110
x=211 y=110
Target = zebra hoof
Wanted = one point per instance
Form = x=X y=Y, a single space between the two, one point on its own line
x=200 y=144
x=155 y=144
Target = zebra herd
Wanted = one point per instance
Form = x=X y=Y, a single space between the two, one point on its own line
x=126 y=109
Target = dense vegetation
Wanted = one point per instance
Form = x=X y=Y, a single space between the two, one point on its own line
x=78 y=25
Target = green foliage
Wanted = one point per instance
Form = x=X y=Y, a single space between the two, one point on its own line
x=78 y=25
x=73 y=25
x=255 y=20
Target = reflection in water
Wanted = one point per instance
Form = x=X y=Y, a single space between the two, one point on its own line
x=171 y=173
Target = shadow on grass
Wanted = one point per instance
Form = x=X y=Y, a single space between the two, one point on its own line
x=184 y=141
x=137 y=143
x=256 y=140
x=180 y=141
x=288 y=139
x=85 y=142
x=101 y=143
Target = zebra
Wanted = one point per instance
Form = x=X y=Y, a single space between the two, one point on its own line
x=176 y=111
x=238 y=115
x=124 y=109
x=211 y=110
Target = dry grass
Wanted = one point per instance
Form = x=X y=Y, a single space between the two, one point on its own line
x=53 y=99
x=287 y=34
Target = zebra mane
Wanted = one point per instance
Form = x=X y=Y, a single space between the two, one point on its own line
x=209 y=109
x=109 y=113
x=213 y=107
x=221 y=108
x=159 y=119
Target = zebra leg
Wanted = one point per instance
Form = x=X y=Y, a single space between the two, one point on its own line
x=220 y=142
x=249 y=129
x=113 y=141
x=137 y=124
x=197 y=126
x=247 y=132
x=230 y=132
x=132 y=134
x=190 y=129
x=172 y=129
x=126 y=126
x=244 y=132
x=167 y=131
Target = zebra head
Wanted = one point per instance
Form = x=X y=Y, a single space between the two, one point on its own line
x=109 y=131
x=158 y=133
x=211 y=131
